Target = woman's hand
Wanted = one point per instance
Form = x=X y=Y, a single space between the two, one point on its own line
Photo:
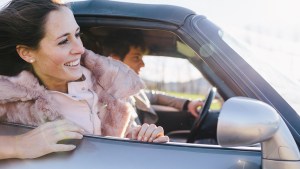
x=43 y=139
x=148 y=133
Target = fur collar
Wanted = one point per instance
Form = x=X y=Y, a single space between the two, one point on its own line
x=24 y=100
x=113 y=76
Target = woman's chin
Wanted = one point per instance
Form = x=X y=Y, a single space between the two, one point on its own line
x=75 y=76
x=78 y=77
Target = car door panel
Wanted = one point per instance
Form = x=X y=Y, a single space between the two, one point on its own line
x=109 y=153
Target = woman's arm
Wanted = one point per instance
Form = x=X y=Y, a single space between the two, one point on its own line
x=7 y=149
x=40 y=141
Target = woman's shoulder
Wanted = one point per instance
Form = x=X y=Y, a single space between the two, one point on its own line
x=113 y=76
x=23 y=86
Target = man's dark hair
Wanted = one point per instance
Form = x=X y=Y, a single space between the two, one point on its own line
x=118 y=42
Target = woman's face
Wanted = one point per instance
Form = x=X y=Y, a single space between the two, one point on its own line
x=57 y=59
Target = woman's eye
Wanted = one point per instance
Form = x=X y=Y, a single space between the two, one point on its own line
x=78 y=34
x=63 y=42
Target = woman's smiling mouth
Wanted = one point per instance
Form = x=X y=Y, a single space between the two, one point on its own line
x=73 y=63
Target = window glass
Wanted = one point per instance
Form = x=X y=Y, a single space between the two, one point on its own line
x=276 y=68
x=175 y=76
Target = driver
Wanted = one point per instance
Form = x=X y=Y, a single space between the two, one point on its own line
x=128 y=46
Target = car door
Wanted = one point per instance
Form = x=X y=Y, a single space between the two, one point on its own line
x=112 y=153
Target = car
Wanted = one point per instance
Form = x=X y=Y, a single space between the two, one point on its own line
x=257 y=126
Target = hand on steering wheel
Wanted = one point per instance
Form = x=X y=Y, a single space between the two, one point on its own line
x=203 y=113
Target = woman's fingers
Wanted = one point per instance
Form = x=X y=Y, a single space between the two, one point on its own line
x=66 y=135
x=158 y=132
x=162 y=139
x=149 y=132
x=135 y=132
x=62 y=147
x=142 y=131
x=61 y=130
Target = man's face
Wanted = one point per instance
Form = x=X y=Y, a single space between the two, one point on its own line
x=134 y=59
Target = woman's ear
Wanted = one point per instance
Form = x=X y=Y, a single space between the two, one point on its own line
x=25 y=53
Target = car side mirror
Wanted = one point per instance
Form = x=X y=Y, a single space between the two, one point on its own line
x=245 y=121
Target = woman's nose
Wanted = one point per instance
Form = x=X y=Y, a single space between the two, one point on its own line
x=77 y=47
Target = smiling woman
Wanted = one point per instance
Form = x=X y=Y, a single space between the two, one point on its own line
x=56 y=60
x=11 y=64
x=47 y=75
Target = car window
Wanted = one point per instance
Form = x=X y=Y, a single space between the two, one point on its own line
x=167 y=70
x=176 y=77
x=280 y=68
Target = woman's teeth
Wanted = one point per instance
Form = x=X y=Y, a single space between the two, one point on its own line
x=75 y=63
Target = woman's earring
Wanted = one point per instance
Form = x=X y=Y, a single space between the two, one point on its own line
x=31 y=60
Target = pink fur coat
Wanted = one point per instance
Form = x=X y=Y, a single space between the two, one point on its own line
x=23 y=100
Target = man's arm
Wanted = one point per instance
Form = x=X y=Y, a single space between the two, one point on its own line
x=161 y=98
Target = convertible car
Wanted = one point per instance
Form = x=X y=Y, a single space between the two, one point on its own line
x=256 y=127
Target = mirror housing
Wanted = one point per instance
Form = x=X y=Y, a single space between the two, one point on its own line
x=245 y=121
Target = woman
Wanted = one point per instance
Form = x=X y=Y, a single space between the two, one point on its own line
x=47 y=75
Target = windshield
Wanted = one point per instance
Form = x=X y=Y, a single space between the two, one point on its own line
x=275 y=67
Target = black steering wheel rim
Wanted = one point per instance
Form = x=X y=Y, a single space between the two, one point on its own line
x=203 y=114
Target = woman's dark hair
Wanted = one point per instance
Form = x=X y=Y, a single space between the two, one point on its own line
x=22 y=22
x=118 y=42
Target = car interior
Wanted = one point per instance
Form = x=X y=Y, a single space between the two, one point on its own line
x=180 y=126
x=158 y=42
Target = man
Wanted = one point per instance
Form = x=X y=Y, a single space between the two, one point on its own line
x=128 y=46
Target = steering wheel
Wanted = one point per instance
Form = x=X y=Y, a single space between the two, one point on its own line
x=202 y=115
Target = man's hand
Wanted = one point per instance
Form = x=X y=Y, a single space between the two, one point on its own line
x=193 y=105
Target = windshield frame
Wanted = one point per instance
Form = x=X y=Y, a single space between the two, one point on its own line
x=232 y=70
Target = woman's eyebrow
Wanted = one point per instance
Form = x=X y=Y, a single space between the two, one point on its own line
x=66 y=34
